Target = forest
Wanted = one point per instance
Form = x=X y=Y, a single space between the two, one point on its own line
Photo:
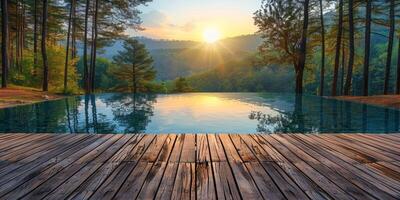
x=322 y=47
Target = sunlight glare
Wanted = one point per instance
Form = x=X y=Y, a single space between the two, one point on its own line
x=211 y=35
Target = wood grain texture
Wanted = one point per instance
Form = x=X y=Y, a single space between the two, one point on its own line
x=199 y=166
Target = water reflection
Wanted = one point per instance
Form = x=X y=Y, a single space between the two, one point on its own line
x=129 y=113
x=199 y=112
x=330 y=116
x=133 y=112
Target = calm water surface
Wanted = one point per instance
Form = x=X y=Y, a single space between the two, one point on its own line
x=199 y=113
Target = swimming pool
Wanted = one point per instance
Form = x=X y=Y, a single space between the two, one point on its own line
x=199 y=113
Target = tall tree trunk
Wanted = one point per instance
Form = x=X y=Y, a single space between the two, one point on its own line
x=94 y=48
x=35 y=37
x=398 y=70
x=322 y=75
x=4 y=43
x=67 y=47
x=17 y=34
x=303 y=49
x=390 y=47
x=43 y=46
x=343 y=69
x=347 y=85
x=367 y=46
x=73 y=34
x=23 y=24
x=337 y=53
x=85 y=43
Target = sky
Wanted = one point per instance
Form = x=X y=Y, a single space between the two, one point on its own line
x=188 y=19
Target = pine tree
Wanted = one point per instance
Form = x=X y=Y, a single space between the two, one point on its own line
x=349 y=76
x=4 y=43
x=390 y=46
x=134 y=67
x=367 y=46
x=337 y=54
x=322 y=73
x=45 y=86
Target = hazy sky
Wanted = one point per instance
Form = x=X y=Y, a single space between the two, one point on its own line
x=187 y=19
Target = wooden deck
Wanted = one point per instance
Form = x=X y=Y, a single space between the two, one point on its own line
x=188 y=166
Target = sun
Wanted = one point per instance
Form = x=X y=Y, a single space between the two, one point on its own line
x=211 y=35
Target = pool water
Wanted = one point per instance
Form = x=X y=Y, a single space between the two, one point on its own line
x=199 y=113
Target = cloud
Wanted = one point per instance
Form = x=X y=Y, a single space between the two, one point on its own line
x=155 y=19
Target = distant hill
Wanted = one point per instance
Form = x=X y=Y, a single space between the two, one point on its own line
x=173 y=58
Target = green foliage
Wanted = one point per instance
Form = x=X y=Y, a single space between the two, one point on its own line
x=133 y=68
x=29 y=76
x=244 y=76
x=182 y=85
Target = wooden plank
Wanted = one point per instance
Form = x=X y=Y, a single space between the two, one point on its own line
x=203 y=151
x=12 y=140
x=131 y=187
x=376 y=154
x=133 y=183
x=389 y=148
x=225 y=183
x=341 y=157
x=343 y=177
x=168 y=179
x=43 y=182
x=184 y=187
x=20 y=187
x=281 y=179
x=30 y=154
x=323 y=182
x=26 y=167
x=24 y=142
x=216 y=149
x=196 y=166
x=189 y=149
x=73 y=175
x=381 y=141
x=86 y=189
x=153 y=180
x=309 y=187
x=113 y=183
x=246 y=184
x=205 y=188
x=35 y=159
x=264 y=182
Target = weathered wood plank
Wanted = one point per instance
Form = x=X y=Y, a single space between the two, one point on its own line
x=153 y=179
x=73 y=175
x=199 y=166
x=345 y=159
x=225 y=183
x=189 y=149
x=25 y=185
x=114 y=182
x=168 y=180
x=246 y=184
x=285 y=184
x=133 y=184
x=345 y=179
x=184 y=187
x=264 y=182
x=29 y=166
x=86 y=189
x=309 y=187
